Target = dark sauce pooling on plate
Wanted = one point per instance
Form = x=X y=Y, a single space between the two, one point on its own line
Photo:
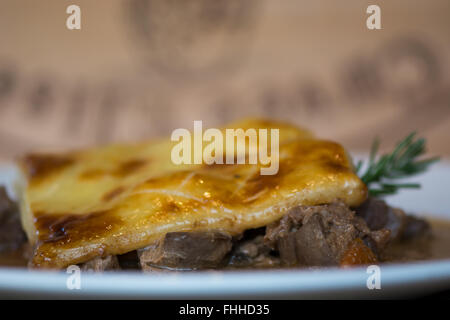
x=435 y=247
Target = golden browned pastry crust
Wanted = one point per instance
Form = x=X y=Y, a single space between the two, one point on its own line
x=118 y=198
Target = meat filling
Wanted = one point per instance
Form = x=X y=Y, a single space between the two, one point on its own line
x=251 y=251
x=12 y=236
x=323 y=236
x=378 y=215
x=326 y=235
x=186 y=251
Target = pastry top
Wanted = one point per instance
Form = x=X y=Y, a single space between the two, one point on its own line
x=111 y=200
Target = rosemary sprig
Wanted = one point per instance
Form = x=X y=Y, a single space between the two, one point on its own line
x=403 y=162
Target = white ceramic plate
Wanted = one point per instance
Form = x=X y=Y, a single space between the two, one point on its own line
x=404 y=280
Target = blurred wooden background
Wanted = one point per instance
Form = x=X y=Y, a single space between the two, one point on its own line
x=140 y=68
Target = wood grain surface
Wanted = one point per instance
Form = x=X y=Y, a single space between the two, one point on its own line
x=141 y=68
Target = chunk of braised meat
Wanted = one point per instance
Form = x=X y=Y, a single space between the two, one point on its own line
x=100 y=264
x=375 y=212
x=12 y=236
x=322 y=235
x=186 y=251
x=252 y=252
x=378 y=215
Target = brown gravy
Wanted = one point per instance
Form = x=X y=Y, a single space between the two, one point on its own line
x=436 y=247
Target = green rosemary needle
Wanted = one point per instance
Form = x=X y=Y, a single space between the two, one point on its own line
x=383 y=171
